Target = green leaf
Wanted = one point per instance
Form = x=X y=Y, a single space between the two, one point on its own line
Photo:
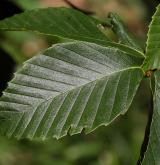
x=152 y=155
x=67 y=88
x=125 y=37
x=63 y=22
x=153 y=43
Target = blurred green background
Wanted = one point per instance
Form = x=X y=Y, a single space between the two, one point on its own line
x=117 y=144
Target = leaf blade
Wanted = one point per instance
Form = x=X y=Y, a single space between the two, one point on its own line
x=66 y=89
x=152 y=51
x=63 y=22
x=152 y=154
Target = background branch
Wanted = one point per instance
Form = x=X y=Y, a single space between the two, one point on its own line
x=77 y=8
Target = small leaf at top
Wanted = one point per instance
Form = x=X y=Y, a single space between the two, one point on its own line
x=153 y=43
x=63 y=22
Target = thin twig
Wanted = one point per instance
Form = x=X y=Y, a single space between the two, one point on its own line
x=147 y=133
